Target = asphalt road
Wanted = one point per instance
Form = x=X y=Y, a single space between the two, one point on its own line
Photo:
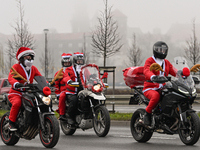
x=119 y=138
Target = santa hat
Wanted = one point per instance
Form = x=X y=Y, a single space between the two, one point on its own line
x=23 y=50
x=78 y=54
x=68 y=55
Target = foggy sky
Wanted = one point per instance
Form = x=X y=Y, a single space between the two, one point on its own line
x=56 y=14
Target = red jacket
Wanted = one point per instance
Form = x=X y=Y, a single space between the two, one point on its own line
x=60 y=85
x=22 y=71
x=70 y=74
x=167 y=67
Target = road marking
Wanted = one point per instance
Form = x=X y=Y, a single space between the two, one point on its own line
x=159 y=137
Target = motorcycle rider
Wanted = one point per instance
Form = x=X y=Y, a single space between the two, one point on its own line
x=72 y=74
x=25 y=68
x=60 y=85
x=151 y=89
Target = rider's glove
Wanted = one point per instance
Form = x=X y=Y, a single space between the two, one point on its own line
x=70 y=82
x=154 y=78
x=18 y=85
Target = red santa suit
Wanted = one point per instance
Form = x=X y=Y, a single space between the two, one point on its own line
x=15 y=96
x=151 y=90
x=60 y=86
x=70 y=74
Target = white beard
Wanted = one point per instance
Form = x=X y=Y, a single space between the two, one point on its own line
x=78 y=68
x=64 y=69
x=28 y=64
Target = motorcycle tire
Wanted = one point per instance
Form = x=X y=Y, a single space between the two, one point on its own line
x=101 y=122
x=9 y=138
x=49 y=137
x=66 y=128
x=190 y=135
x=139 y=133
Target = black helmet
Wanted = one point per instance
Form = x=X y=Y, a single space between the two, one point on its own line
x=66 y=58
x=160 y=50
x=78 y=59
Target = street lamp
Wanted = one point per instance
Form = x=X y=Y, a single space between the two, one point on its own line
x=45 y=53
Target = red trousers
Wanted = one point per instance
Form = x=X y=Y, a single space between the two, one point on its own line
x=61 y=105
x=16 y=102
x=154 y=97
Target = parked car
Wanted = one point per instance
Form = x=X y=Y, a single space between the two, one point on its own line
x=4 y=86
x=4 y=89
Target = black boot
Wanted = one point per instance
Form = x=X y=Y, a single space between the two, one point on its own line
x=12 y=126
x=63 y=118
x=147 y=118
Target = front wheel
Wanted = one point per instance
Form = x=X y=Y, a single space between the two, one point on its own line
x=9 y=138
x=101 y=121
x=139 y=133
x=49 y=137
x=189 y=134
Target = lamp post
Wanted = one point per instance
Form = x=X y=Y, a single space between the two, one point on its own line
x=45 y=53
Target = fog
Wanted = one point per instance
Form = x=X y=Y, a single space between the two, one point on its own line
x=57 y=14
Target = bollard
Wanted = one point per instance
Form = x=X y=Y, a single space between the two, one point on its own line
x=113 y=106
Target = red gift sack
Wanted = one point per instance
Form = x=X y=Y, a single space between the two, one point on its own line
x=133 y=76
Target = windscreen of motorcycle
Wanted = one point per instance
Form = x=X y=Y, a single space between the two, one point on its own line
x=90 y=77
x=41 y=82
x=186 y=82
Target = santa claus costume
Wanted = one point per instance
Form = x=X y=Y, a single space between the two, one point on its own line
x=60 y=85
x=26 y=70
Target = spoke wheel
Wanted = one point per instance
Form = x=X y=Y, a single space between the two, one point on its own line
x=66 y=128
x=101 y=121
x=190 y=134
x=49 y=137
x=139 y=133
x=9 y=138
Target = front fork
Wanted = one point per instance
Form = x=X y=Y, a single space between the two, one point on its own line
x=183 y=115
x=41 y=115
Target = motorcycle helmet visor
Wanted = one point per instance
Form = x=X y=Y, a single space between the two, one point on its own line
x=162 y=50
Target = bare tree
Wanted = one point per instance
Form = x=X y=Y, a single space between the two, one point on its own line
x=134 y=53
x=192 y=50
x=84 y=50
x=1 y=61
x=105 y=39
x=21 y=38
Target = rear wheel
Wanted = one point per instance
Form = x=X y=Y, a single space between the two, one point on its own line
x=49 y=137
x=9 y=138
x=66 y=128
x=190 y=134
x=139 y=132
x=101 y=122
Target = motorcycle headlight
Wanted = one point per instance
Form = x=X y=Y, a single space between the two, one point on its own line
x=182 y=90
x=194 y=92
x=46 y=100
x=97 y=88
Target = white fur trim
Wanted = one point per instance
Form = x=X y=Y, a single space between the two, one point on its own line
x=24 y=52
x=66 y=56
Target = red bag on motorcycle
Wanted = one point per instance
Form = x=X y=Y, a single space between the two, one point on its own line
x=133 y=76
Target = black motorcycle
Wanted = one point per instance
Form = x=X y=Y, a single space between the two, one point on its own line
x=35 y=117
x=94 y=114
x=173 y=114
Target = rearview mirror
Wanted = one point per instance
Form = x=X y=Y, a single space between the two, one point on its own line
x=196 y=80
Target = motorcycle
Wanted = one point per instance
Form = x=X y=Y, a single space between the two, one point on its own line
x=172 y=115
x=94 y=114
x=35 y=116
